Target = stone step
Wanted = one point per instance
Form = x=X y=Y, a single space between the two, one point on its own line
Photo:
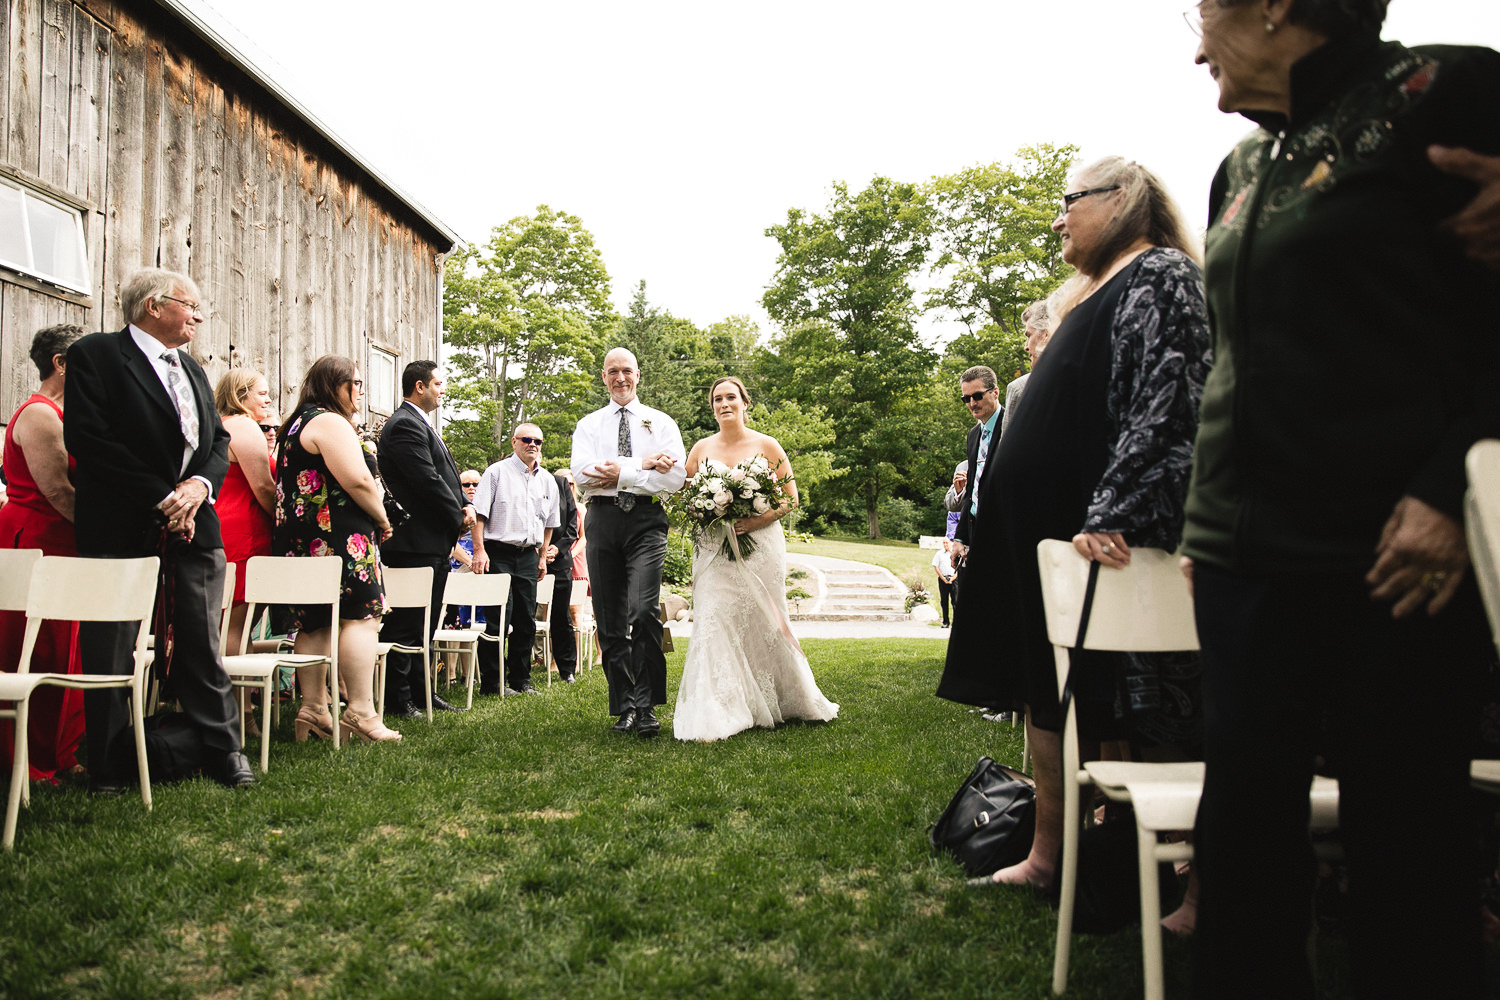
x=854 y=585
x=863 y=605
x=851 y=616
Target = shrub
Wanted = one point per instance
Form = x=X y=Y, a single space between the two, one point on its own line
x=917 y=595
x=678 y=567
x=797 y=594
x=796 y=574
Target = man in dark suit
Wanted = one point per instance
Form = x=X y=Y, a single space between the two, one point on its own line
x=423 y=478
x=560 y=567
x=151 y=450
x=980 y=392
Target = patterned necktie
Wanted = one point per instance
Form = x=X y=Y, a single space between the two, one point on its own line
x=625 y=501
x=624 y=435
x=187 y=415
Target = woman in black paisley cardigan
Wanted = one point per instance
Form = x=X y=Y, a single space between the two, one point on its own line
x=1100 y=454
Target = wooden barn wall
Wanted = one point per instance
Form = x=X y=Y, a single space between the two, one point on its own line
x=181 y=162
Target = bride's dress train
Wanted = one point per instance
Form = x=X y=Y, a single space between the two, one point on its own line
x=744 y=668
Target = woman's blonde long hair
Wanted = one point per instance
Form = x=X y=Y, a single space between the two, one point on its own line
x=233 y=390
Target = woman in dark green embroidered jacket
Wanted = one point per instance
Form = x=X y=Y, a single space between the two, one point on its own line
x=1355 y=362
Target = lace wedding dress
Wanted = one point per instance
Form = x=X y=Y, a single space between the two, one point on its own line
x=744 y=668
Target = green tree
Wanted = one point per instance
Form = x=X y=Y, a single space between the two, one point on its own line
x=996 y=250
x=679 y=361
x=526 y=316
x=843 y=295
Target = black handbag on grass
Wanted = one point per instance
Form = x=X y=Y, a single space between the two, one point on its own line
x=990 y=821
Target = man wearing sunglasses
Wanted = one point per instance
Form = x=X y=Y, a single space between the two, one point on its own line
x=517 y=510
x=981 y=394
x=422 y=476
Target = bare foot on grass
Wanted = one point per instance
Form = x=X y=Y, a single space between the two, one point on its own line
x=1184 y=919
x=1028 y=872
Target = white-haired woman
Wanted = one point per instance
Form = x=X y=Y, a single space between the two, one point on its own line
x=1099 y=453
x=1356 y=361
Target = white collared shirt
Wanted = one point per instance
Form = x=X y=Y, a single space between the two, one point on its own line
x=596 y=439
x=153 y=349
x=517 y=504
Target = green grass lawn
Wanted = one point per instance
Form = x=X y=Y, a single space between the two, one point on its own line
x=904 y=559
x=522 y=850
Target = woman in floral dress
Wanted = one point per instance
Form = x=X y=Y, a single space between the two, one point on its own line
x=328 y=504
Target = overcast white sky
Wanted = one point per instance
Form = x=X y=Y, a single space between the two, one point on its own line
x=678 y=131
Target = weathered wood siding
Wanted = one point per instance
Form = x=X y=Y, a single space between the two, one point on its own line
x=182 y=161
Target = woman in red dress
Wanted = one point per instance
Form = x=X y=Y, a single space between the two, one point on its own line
x=39 y=515
x=249 y=494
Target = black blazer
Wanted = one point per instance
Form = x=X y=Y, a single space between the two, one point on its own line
x=122 y=427
x=964 y=530
x=420 y=473
x=566 y=533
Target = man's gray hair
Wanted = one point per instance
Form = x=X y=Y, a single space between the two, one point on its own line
x=980 y=373
x=151 y=284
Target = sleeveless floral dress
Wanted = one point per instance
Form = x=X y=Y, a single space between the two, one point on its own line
x=315 y=517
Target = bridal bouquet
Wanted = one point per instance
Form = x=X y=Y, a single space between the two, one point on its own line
x=721 y=493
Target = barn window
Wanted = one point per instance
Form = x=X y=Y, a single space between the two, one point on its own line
x=380 y=387
x=42 y=237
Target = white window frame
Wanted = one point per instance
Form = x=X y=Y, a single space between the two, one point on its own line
x=29 y=267
x=380 y=386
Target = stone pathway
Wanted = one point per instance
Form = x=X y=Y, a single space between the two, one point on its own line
x=851 y=600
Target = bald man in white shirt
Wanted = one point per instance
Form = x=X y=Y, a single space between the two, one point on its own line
x=626 y=458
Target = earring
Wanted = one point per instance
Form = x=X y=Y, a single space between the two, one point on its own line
x=1270 y=27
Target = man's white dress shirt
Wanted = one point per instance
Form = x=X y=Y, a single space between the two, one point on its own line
x=596 y=439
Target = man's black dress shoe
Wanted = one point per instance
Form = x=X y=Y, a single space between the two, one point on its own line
x=442 y=705
x=408 y=711
x=482 y=690
x=626 y=722
x=646 y=724
x=526 y=687
x=108 y=788
x=232 y=771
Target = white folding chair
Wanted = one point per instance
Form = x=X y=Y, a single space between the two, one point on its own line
x=1144 y=607
x=1482 y=524
x=406 y=587
x=65 y=588
x=306 y=580
x=545 y=589
x=474 y=591
x=585 y=627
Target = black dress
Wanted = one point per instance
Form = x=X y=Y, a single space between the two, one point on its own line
x=315 y=517
x=1104 y=443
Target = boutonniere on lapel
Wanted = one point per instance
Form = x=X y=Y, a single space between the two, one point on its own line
x=646 y=425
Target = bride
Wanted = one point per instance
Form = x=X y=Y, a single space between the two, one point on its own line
x=744 y=667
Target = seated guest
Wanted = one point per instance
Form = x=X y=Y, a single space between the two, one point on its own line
x=328 y=504
x=248 y=498
x=40 y=516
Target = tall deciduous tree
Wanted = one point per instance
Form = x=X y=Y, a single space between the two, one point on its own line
x=843 y=295
x=526 y=316
x=996 y=250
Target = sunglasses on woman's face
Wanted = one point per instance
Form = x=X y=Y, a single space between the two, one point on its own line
x=266 y=428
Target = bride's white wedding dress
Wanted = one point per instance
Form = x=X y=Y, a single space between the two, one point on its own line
x=744 y=668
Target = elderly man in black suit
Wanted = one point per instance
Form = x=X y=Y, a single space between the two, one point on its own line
x=421 y=475
x=151 y=456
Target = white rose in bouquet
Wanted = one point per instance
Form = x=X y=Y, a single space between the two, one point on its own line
x=761 y=505
x=715 y=485
x=747 y=493
x=759 y=465
x=738 y=475
x=752 y=484
x=722 y=500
